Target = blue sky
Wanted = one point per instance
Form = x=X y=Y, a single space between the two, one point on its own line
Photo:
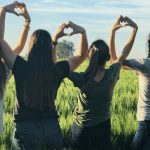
x=97 y=16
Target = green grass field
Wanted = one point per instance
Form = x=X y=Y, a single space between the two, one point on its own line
x=123 y=111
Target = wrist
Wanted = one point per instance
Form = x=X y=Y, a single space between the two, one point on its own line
x=55 y=43
x=113 y=31
x=83 y=31
x=55 y=38
x=112 y=34
x=27 y=25
x=135 y=29
x=3 y=9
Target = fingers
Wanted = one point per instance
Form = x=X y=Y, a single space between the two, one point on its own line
x=72 y=33
x=22 y=6
x=64 y=34
x=71 y=24
x=119 y=19
x=63 y=26
x=15 y=13
x=16 y=3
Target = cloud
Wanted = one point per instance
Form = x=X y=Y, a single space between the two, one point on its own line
x=94 y=7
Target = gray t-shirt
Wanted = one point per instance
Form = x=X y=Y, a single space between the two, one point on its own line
x=2 y=98
x=93 y=105
x=142 y=67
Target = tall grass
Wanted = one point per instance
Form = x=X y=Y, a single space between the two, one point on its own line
x=123 y=111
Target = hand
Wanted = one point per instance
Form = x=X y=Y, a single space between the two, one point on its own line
x=76 y=28
x=24 y=12
x=130 y=23
x=119 y=23
x=11 y=7
x=60 y=32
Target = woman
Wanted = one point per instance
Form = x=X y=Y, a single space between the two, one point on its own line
x=141 y=140
x=37 y=81
x=92 y=128
x=4 y=71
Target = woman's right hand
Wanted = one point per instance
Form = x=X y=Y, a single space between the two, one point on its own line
x=60 y=32
x=11 y=7
x=119 y=23
x=76 y=28
x=131 y=23
x=24 y=12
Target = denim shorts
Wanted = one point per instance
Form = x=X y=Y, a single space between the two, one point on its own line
x=38 y=135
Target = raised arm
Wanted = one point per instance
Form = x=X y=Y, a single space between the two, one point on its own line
x=117 y=25
x=59 y=34
x=5 y=50
x=24 y=34
x=81 y=54
x=129 y=45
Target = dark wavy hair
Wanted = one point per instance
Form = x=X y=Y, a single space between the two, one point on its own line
x=99 y=55
x=37 y=89
x=148 y=42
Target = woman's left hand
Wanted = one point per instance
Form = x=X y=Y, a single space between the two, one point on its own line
x=11 y=7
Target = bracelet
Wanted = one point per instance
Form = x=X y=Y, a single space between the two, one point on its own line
x=55 y=43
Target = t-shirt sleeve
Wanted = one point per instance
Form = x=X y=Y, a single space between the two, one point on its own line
x=18 y=67
x=64 y=69
x=115 y=70
x=136 y=64
x=76 y=78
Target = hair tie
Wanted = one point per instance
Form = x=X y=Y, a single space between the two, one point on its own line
x=95 y=48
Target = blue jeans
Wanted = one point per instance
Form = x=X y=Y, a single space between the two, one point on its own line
x=88 y=138
x=141 y=140
x=38 y=135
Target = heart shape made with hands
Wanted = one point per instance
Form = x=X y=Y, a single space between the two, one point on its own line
x=15 y=8
x=19 y=8
x=123 y=22
x=69 y=29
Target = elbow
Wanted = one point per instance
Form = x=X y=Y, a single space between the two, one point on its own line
x=111 y=61
x=18 y=49
x=83 y=57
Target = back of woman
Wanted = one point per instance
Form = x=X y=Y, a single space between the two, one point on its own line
x=92 y=119
x=37 y=81
x=47 y=84
x=94 y=102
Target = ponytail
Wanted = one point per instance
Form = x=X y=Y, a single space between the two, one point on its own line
x=99 y=56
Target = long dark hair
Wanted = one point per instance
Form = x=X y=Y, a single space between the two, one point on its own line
x=148 y=42
x=37 y=87
x=2 y=75
x=99 y=55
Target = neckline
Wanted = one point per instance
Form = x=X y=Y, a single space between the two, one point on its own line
x=103 y=78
